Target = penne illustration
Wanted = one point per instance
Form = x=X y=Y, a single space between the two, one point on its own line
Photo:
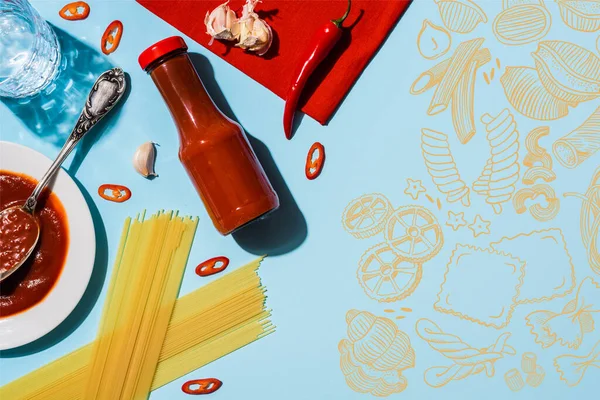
x=433 y=41
x=522 y=22
x=580 y=15
x=460 y=16
x=441 y=166
x=579 y=145
x=463 y=103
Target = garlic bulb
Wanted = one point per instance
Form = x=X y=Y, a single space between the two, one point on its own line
x=221 y=23
x=254 y=33
x=143 y=159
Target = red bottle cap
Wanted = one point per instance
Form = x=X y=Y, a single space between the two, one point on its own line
x=159 y=49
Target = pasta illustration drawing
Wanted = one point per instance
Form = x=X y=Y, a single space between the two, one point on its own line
x=375 y=354
x=572 y=368
x=569 y=326
x=366 y=216
x=456 y=220
x=466 y=360
x=491 y=304
x=386 y=276
x=589 y=221
x=535 y=379
x=501 y=173
x=537 y=211
x=441 y=166
x=533 y=174
x=414 y=233
x=539 y=250
x=576 y=147
x=525 y=92
x=598 y=44
x=580 y=15
x=528 y=363
x=536 y=154
x=461 y=16
x=414 y=188
x=514 y=380
x=480 y=226
x=433 y=41
x=522 y=23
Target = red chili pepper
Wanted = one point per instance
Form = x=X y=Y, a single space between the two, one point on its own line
x=314 y=166
x=321 y=45
x=209 y=267
x=118 y=194
x=71 y=11
x=205 y=386
x=111 y=37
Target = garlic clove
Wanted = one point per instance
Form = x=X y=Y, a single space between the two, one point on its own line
x=144 y=158
x=221 y=23
x=254 y=33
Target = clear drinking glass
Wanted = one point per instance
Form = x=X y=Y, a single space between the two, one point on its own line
x=29 y=50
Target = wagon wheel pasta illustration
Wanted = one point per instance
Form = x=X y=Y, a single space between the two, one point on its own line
x=433 y=41
x=460 y=16
x=572 y=368
x=466 y=360
x=568 y=327
x=366 y=216
x=525 y=92
x=501 y=173
x=537 y=211
x=441 y=166
x=580 y=15
x=414 y=233
x=375 y=354
x=569 y=72
x=589 y=221
x=576 y=147
x=386 y=276
x=522 y=22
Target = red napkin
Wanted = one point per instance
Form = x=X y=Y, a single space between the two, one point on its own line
x=294 y=23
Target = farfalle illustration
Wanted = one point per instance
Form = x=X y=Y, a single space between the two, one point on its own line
x=570 y=325
x=467 y=360
x=572 y=368
x=501 y=173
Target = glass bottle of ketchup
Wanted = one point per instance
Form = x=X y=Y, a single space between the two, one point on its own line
x=213 y=149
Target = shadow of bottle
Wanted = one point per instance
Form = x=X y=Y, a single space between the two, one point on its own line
x=89 y=298
x=281 y=231
x=52 y=113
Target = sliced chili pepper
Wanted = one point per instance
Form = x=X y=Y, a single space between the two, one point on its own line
x=314 y=165
x=320 y=46
x=75 y=11
x=205 y=386
x=111 y=37
x=209 y=267
x=118 y=193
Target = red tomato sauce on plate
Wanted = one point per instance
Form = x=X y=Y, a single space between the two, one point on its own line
x=32 y=282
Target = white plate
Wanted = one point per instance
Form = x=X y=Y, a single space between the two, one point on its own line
x=40 y=319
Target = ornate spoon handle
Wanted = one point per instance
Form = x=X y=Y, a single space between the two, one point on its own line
x=105 y=94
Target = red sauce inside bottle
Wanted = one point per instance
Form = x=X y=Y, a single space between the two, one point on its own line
x=32 y=282
x=213 y=149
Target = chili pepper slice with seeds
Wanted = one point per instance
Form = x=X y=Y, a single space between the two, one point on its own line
x=111 y=37
x=118 y=193
x=209 y=267
x=314 y=164
x=321 y=45
x=205 y=386
x=75 y=11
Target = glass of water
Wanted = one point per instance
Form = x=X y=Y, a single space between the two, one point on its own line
x=29 y=50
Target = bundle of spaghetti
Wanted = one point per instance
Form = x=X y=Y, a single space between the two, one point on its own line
x=442 y=167
x=467 y=359
x=232 y=314
x=497 y=181
x=590 y=220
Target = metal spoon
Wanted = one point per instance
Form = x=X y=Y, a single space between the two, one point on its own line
x=105 y=94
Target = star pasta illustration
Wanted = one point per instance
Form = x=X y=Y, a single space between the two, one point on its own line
x=366 y=216
x=375 y=354
x=414 y=188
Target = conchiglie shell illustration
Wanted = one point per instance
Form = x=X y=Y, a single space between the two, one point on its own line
x=460 y=16
x=581 y=15
x=522 y=24
x=569 y=72
x=527 y=95
x=375 y=354
x=433 y=41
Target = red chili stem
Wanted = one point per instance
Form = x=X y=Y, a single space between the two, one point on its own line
x=320 y=46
